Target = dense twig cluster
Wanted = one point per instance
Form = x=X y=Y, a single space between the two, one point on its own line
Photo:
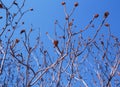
x=73 y=59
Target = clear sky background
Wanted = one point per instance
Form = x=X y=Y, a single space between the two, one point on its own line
x=47 y=11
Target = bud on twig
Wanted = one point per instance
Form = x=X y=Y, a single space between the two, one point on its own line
x=31 y=9
x=106 y=14
x=96 y=15
x=67 y=18
x=22 y=31
x=63 y=3
x=17 y=41
x=1 y=5
x=107 y=25
x=23 y=23
x=1 y=17
x=102 y=42
x=76 y=4
x=55 y=43
x=71 y=23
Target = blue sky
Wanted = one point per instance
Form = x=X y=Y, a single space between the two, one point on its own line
x=47 y=11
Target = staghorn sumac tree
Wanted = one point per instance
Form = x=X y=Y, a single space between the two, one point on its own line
x=73 y=58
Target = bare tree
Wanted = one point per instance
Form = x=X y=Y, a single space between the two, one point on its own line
x=73 y=58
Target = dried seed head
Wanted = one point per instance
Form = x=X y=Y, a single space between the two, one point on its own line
x=17 y=41
x=45 y=51
x=63 y=3
x=106 y=14
x=102 y=42
x=107 y=25
x=66 y=18
x=76 y=4
x=23 y=23
x=16 y=22
x=22 y=31
x=31 y=9
x=55 y=43
x=89 y=38
x=1 y=17
x=71 y=23
x=96 y=15
x=1 y=5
